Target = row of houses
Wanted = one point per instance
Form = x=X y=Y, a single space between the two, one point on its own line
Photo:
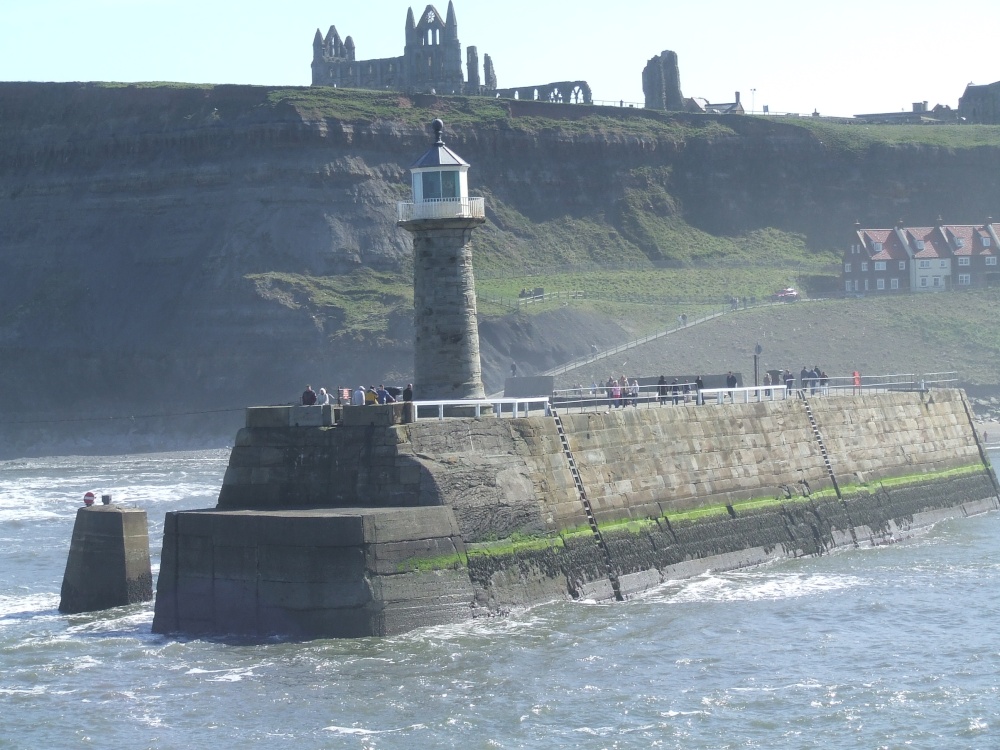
x=922 y=259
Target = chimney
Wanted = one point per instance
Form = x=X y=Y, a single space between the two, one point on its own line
x=737 y=97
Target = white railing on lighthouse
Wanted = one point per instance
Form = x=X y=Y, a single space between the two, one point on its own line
x=442 y=208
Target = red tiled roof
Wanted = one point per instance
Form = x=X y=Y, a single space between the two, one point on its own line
x=963 y=235
x=982 y=233
x=938 y=242
x=935 y=245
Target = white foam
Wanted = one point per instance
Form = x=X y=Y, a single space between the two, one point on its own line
x=225 y=675
x=763 y=585
x=364 y=732
x=18 y=605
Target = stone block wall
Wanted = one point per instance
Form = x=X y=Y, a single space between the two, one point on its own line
x=883 y=435
x=641 y=463
x=306 y=574
x=441 y=520
x=108 y=563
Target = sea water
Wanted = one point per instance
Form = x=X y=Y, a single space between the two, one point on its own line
x=885 y=647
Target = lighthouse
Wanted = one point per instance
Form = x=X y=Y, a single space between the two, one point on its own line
x=441 y=218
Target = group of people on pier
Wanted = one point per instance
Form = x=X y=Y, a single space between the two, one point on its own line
x=360 y=396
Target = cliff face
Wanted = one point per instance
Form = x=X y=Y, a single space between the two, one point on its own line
x=133 y=220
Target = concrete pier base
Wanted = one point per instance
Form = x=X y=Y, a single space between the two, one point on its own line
x=321 y=573
x=108 y=564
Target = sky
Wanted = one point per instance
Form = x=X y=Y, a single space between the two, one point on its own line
x=841 y=57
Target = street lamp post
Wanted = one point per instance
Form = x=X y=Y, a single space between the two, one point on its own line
x=756 y=354
x=753 y=100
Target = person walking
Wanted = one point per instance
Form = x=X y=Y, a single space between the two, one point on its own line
x=308 y=396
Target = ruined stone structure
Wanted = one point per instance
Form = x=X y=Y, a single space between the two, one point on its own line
x=431 y=60
x=661 y=82
x=431 y=63
x=981 y=104
x=563 y=92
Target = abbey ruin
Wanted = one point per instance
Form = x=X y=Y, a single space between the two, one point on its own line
x=431 y=63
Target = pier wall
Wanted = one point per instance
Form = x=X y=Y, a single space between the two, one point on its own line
x=499 y=519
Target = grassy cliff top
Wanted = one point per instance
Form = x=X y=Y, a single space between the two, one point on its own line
x=358 y=105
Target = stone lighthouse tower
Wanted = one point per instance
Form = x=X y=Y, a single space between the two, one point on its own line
x=441 y=219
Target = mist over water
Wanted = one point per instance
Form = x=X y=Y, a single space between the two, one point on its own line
x=885 y=647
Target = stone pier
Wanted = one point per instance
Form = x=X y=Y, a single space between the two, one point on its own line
x=108 y=564
x=371 y=529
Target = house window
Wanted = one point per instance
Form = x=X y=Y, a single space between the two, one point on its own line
x=866 y=285
x=894 y=283
x=902 y=265
x=848 y=285
x=959 y=242
x=880 y=265
x=923 y=281
x=943 y=264
x=963 y=261
x=991 y=260
x=847 y=268
x=878 y=247
x=986 y=241
x=864 y=266
x=925 y=264
x=880 y=283
x=964 y=279
x=937 y=281
x=920 y=244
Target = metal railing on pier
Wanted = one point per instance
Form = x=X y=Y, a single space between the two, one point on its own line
x=898 y=382
x=442 y=208
x=658 y=395
x=500 y=407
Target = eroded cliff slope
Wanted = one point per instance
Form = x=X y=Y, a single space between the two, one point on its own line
x=150 y=235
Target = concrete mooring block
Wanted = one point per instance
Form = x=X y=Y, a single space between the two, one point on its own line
x=108 y=563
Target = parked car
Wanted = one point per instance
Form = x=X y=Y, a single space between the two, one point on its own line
x=786 y=295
